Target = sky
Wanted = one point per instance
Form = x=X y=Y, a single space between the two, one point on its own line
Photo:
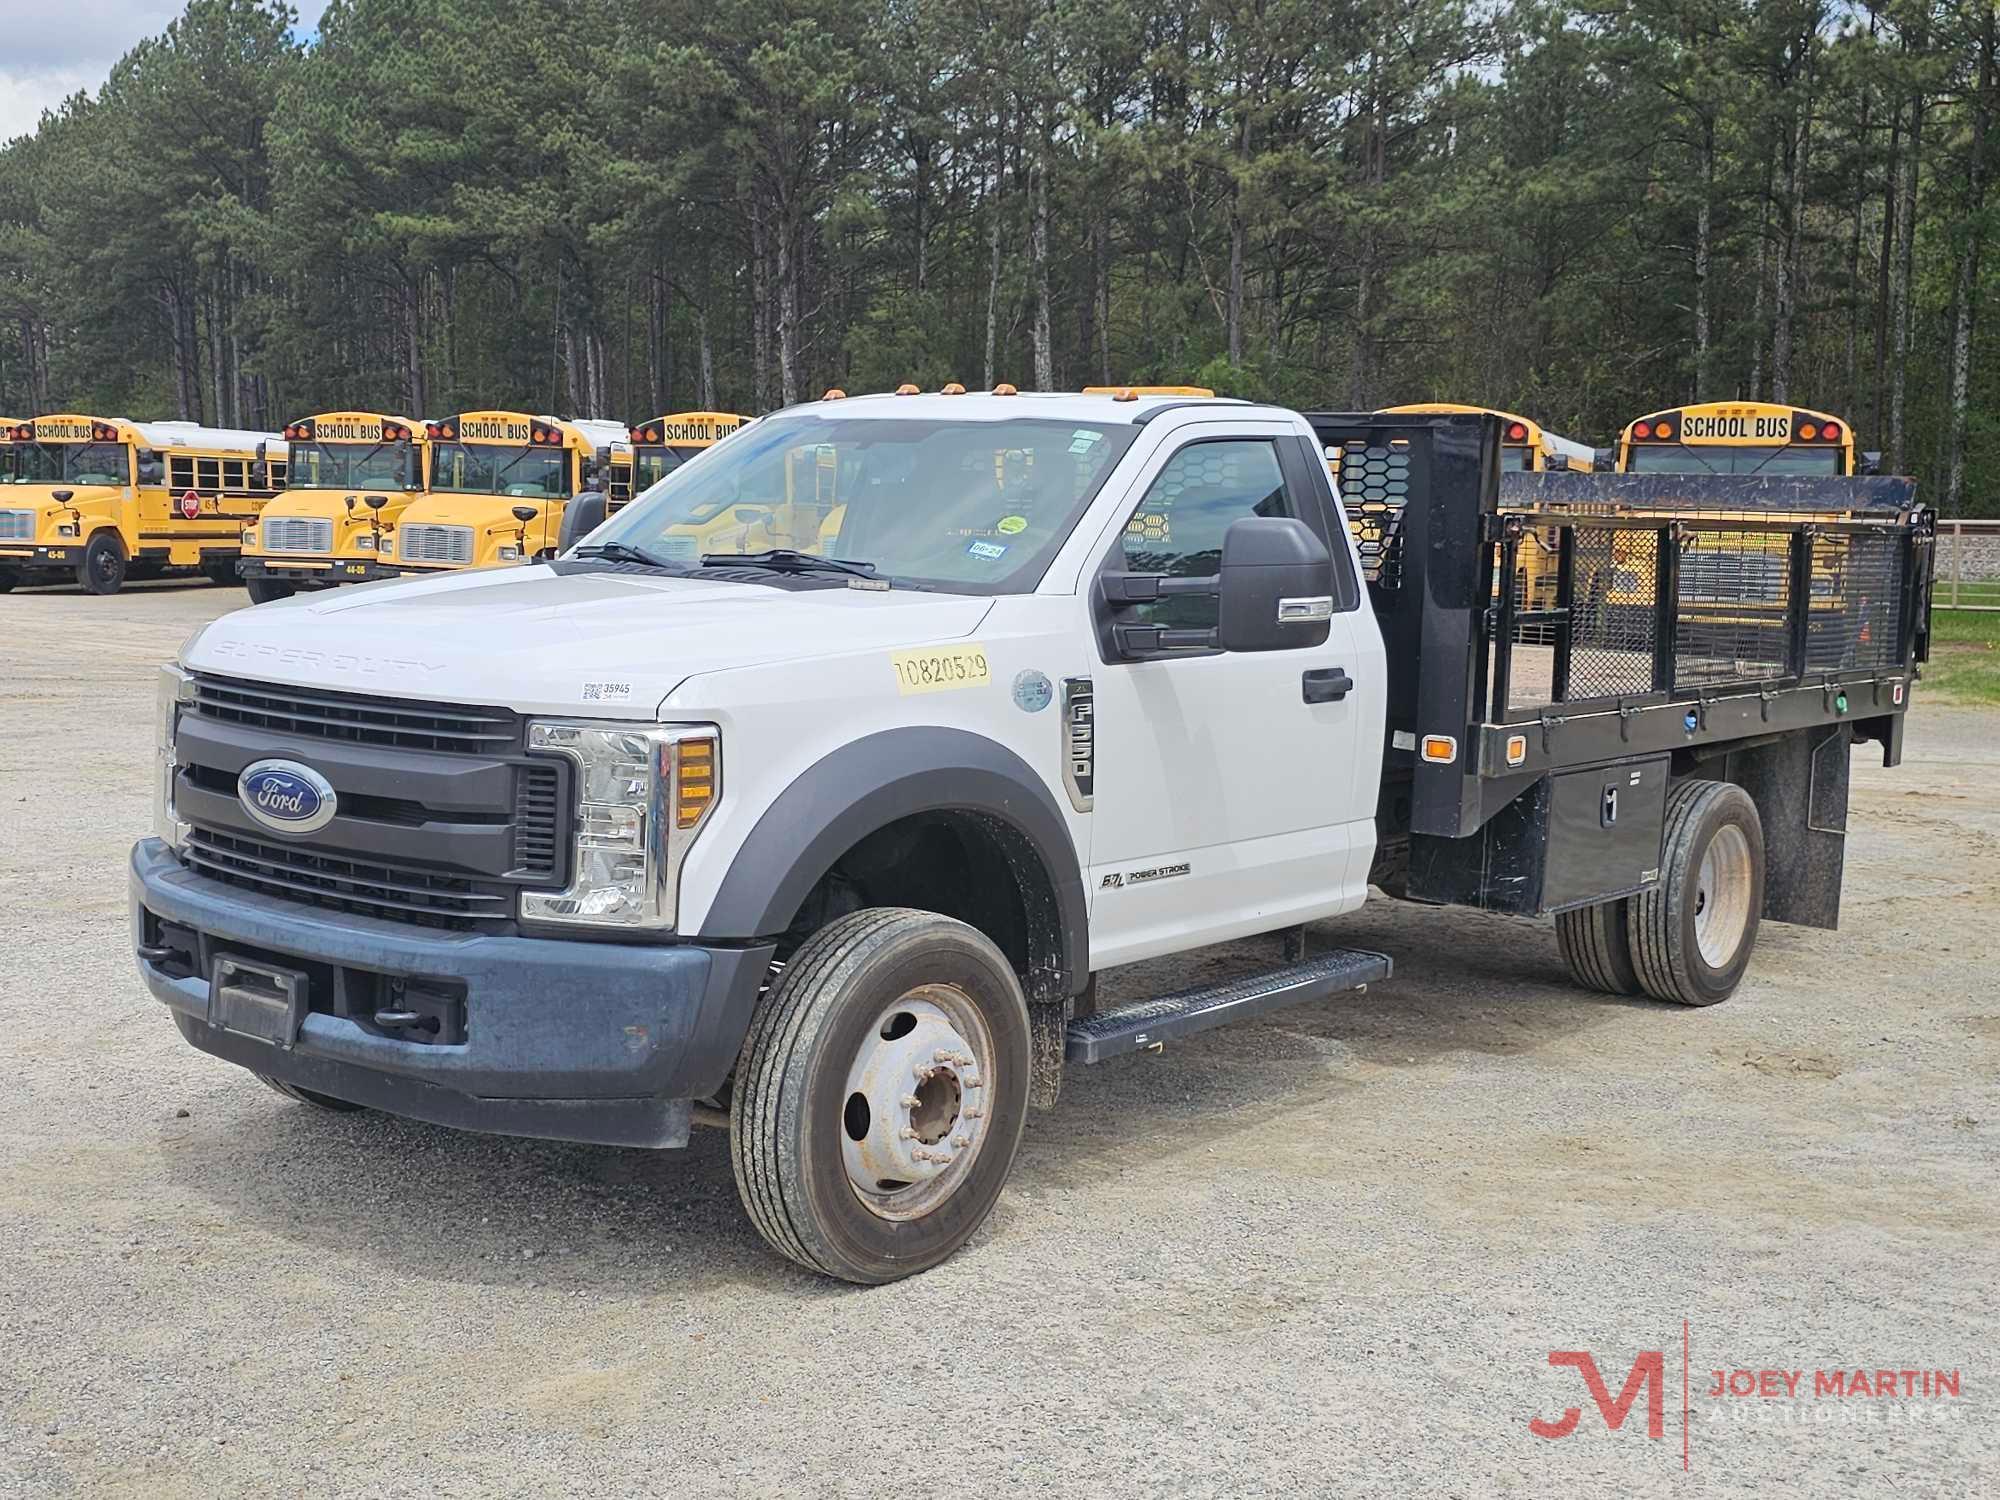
x=48 y=51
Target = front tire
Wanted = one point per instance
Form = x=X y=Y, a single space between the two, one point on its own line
x=102 y=570
x=267 y=590
x=308 y=1096
x=1693 y=934
x=8 y=578
x=880 y=1095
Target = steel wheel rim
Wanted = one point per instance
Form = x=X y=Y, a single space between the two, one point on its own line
x=1722 y=896
x=923 y=1079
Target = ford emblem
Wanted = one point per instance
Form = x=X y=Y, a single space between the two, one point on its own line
x=287 y=797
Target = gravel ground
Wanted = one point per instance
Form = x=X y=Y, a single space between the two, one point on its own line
x=1327 y=1252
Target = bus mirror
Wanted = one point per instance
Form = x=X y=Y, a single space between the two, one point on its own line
x=375 y=502
x=1870 y=463
x=350 y=502
x=152 y=471
x=524 y=513
x=262 y=446
x=260 y=472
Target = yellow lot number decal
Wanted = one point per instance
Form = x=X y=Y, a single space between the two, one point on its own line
x=940 y=669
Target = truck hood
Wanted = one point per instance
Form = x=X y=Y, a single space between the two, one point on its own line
x=612 y=645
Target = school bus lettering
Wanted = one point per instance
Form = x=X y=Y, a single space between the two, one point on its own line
x=492 y=430
x=696 y=432
x=1754 y=429
x=62 y=430
x=348 y=429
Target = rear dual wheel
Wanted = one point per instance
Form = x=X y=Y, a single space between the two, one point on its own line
x=1689 y=939
x=880 y=1095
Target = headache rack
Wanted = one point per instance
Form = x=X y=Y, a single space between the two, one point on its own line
x=1539 y=623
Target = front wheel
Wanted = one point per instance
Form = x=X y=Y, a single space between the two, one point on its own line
x=102 y=570
x=880 y=1095
x=1692 y=934
x=309 y=1096
x=222 y=572
x=8 y=578
x=265 y=590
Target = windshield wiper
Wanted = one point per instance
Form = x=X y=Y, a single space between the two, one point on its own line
x=786 y=560
x=625 y=552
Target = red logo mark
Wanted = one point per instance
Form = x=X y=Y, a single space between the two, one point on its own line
x=1649 y=1370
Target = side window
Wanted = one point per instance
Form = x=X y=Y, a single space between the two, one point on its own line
x=1177 y=529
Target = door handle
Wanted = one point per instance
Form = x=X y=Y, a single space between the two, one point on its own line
x=1327 y=685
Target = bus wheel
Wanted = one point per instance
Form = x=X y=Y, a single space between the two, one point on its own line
x=102 y=570
x=8 y=578
x=1692 y=935
x=1595 y=947
x=222 y=572
x=264 y=590
x=880 y=1095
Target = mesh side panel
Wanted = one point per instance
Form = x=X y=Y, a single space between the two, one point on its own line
x=1856 y=609
x=1612 y=632
x=1734 y=592
x=1374 y=487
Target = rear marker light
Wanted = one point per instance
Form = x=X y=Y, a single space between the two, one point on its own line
x=1517 y=749
x=1439 y=749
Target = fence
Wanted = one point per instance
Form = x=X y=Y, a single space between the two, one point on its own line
x=1968 y=566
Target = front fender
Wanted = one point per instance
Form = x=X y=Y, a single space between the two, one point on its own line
x=873 y=782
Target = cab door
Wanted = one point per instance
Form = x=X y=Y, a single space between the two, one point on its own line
x=1234 y=793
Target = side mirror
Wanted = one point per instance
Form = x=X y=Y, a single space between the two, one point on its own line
x=62 y=497
x=152 y=471
x=260 y=473
x=1868 y=463
x=581 y=516
x=374 y=502
x=1276 y=586
x=350 y=502
x=525 y=513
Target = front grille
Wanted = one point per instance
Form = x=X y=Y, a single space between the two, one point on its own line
x=397 y=892
x=297 y=534
x=356 y=718
x=17 y=526
x=537 y=814
x=435 y=544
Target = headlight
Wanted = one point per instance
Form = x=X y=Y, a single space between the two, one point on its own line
x=388 y=548
x=176 y=689
x=510 y=554
x=642 y=796
x=365 y=542
x=249 y=536
x=67 y=528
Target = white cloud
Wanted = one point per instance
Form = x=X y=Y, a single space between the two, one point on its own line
x=48 y=54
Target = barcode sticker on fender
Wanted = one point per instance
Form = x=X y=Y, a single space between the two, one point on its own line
x=941 y=669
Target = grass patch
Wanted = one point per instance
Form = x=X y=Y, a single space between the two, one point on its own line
x=1965 y=657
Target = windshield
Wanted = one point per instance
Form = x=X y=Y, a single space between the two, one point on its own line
x=1681 y=459
x=968 y=507
x=348 y=466
x=500 y=469
x=71 y=463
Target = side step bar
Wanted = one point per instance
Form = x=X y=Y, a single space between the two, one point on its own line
x=1147 y=1023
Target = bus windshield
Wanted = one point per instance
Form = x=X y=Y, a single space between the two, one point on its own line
x=348 y=466
x=1679 y=458
x=966 y=507
x=71 y=463
x=500 y=469
x=653 y=462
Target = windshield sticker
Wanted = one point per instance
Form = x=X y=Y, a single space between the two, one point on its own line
x=991 y=551
x=1085 y=436
x=1011 y=525
x=1033 y=691
x=940 y=669
x=607 y=692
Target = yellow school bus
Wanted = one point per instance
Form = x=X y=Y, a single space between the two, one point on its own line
x=1749 y=569
x=9 y=448
x=1525 y=446
x=1736 y=437
x=101 y=499
x=351 y=476
x=663 y=444
x=499 y=482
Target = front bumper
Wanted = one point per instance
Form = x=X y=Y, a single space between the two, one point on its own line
x=27 y=555
x=316 y=572
x=566 y=1040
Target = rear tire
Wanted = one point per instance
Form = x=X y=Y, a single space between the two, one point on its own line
x=102 y=570
x=1596 y=948
x=1692 y=936
x=223 y=574
x=308 y=1096
x=880 y=1095
x=267 y=590
x=8 y=578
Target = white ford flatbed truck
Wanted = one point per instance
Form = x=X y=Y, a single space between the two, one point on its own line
x=808 y=793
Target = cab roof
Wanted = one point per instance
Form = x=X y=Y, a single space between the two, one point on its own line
x=1061 y=406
